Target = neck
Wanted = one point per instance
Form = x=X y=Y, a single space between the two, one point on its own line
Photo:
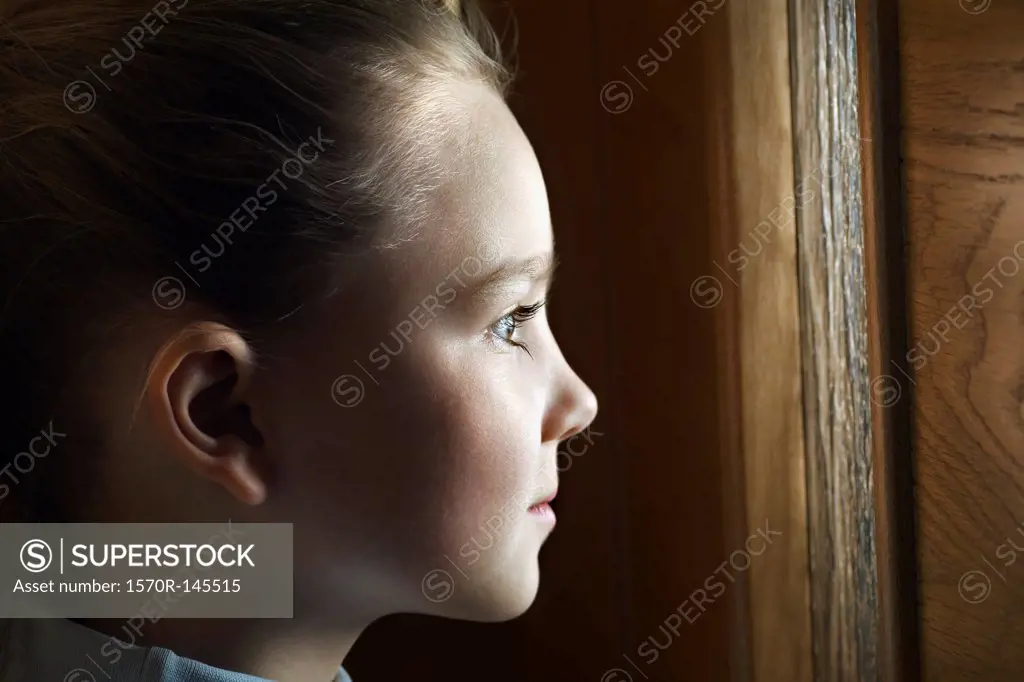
x=285 y=650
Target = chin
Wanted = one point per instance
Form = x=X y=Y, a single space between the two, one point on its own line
x=494 y=598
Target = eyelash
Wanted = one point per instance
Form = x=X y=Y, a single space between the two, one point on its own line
x=514 y=320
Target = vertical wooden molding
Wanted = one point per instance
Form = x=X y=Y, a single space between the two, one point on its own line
x=877 y=26
x=757 y=251
x=834 y=312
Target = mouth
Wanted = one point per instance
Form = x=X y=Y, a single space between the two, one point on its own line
x=542 y=507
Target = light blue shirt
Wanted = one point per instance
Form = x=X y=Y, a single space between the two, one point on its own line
x=58 y=650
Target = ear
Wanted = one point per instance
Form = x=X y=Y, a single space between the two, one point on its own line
x=197 y=388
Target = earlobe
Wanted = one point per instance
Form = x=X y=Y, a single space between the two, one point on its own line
x=196 y=392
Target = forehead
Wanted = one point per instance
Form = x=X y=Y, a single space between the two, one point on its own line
x=492 y=203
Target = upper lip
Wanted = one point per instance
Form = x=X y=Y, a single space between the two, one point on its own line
x=546 y=499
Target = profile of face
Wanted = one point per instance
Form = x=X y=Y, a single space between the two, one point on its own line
x=407 y=428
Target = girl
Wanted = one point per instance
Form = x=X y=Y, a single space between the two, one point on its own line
x=276 y=261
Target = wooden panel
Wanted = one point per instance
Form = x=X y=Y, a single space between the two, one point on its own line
x=755 y=198
x=963 y=79
x=681 y=469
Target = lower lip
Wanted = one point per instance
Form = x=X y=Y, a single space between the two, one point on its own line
x=543 y=511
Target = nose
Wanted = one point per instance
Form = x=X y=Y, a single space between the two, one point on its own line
x=572 y=410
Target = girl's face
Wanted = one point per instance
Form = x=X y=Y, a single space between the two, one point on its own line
x=417 y=421
x=407 y=424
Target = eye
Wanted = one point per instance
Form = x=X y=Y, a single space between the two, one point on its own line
x=506 y=327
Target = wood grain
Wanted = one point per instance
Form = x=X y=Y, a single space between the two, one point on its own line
x=838 y=410
x=963 y=75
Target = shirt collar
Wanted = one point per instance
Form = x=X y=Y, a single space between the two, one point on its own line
x=59 y=649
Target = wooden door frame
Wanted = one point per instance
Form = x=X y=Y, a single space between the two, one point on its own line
x=853 y=303
x=820 y=123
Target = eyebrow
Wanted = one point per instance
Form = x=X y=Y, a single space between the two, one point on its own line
x=539 y=269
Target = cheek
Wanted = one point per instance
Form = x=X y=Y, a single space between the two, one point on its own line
x=440 y=450
x=462 y=446
x=478 y=452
